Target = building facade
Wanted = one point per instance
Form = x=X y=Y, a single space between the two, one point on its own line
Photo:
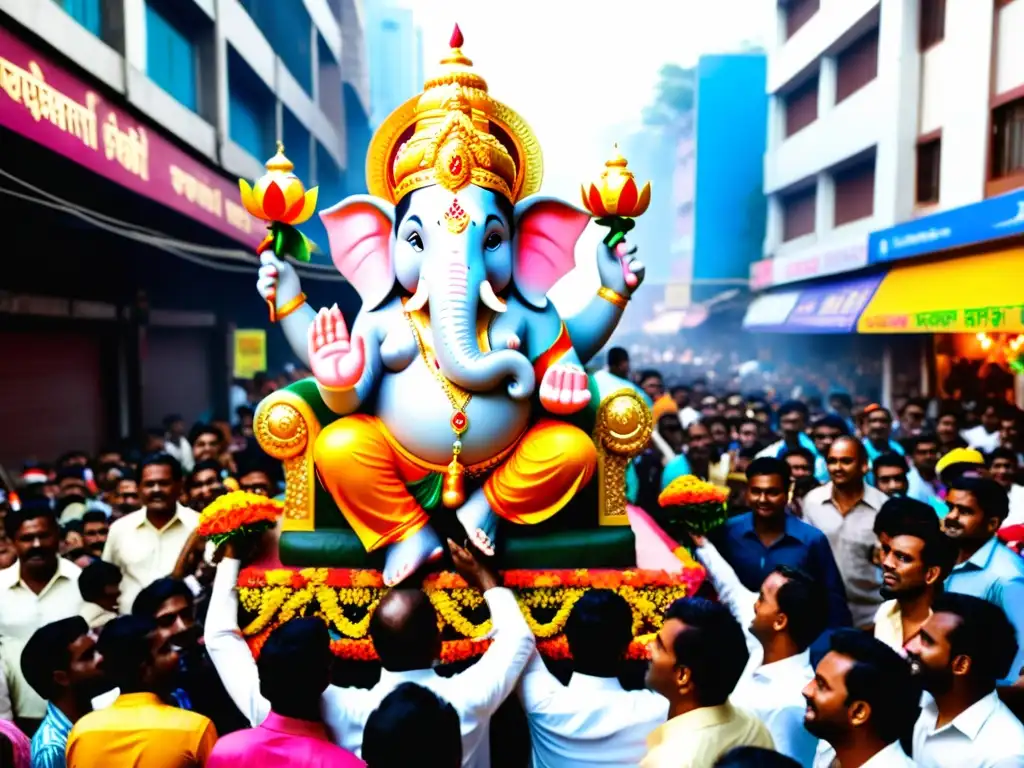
x=395 y=52
x=125 y=125
x=896 y=132
x=717 y=222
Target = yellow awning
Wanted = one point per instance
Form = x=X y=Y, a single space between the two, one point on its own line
x=965 y=295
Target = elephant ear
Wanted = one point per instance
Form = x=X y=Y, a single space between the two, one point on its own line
x=546 y=233
x=359 y=230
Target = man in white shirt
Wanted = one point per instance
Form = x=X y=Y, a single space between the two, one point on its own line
x=779 y=624
x=959 y=654
x=145 y=544
x=986 y=436
x=845 y=510
x=1003 y=467
x=861 y=701
x=593 y=720
x=405 y=635
x=39 y=588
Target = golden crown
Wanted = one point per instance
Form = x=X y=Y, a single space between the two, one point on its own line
x=454 y=134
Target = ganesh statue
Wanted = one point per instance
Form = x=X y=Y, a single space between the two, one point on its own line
x=458 y=396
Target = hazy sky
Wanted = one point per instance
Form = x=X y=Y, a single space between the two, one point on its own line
x=578 y=69
x=580 y=72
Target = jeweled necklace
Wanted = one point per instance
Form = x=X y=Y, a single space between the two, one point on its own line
x=453 y=494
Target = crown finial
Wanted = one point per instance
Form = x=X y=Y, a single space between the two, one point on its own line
x=279 y=162
x=456 y=40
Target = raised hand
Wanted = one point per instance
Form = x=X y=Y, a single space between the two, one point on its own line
x=277 y=280
x=470 y=568
x=563 y=390
x=619 y=268
x=336 y=361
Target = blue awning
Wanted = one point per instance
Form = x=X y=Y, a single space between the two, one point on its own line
x=831 y=307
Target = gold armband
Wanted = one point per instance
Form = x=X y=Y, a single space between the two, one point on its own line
x=287 y=308
x=612 y=297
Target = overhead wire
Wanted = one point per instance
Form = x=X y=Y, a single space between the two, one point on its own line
x=183 y=249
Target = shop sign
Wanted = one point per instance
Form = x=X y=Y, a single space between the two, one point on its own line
x=997 y=319
x=992 y=219
x=833 y=307
x=807 y=265
x=46 y=104
x=250 y=352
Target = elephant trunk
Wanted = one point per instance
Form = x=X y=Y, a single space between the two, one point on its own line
x=453 y=316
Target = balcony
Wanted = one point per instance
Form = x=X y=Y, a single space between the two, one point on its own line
x=852 y=126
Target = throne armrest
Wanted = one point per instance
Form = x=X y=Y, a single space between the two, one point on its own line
x=286 y=427
x=622 y=429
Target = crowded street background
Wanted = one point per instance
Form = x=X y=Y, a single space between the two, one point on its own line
x=342 y=426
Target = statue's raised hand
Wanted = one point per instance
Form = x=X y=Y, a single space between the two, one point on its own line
x=277 y=280
x=620 y=270
x=337 y=362
x=564 y=389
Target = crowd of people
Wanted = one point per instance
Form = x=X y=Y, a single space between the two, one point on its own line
x=866 y=608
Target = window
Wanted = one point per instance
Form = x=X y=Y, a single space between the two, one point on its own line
x=798 y=214
x=170 y=58
x=854 y=192
x=289 y=29
x=929 y=166
x=251 y=106
x=801 y=106
x=1008 y=139
x=857 y=66
x=296 y=140
x=85 y=12
x=933 y=23
x=798 y=13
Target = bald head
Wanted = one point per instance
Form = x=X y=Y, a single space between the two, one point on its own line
x=847 y=462
x=404 y=631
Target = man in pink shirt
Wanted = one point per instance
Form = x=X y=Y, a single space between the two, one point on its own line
x=295 y=670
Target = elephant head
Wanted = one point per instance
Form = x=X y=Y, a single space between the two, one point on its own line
x=453 y=252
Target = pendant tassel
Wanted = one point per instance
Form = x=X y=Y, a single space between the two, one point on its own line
x=454 y=493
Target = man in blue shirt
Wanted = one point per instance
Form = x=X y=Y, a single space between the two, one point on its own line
x=985 y=567
x=61 y=663
x=756 y=542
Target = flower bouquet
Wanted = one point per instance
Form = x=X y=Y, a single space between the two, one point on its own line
x=694 y=504
x=238 y=514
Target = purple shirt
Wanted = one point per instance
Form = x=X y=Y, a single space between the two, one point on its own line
x=281 y=742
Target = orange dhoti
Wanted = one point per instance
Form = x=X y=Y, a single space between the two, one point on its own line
x=367 y=473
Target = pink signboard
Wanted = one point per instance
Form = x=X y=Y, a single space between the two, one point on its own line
x=48 y=105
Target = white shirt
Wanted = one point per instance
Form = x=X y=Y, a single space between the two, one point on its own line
x=475 y=694
x=985 y=735
x=892 y=756
x=772 y=692
x=182 y=451
x=980 y=438
x=1016 y=516
x=145 y=553
x=853 y=541
x=589 y=722
x=22 y=612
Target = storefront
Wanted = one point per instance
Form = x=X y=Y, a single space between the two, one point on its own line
x=964 y=293
x=127 y=261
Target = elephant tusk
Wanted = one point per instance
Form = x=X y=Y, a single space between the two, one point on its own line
x=419 y=299
x=490 y=300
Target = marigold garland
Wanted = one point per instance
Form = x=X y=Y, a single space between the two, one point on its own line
x=545 y=597
x=238 y=513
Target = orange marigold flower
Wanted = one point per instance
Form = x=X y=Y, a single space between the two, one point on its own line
x=691 y=490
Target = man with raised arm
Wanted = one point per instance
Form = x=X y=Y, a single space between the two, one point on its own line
x=406 y=637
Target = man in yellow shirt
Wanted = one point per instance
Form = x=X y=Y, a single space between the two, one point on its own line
x=138 y=729
x=696 y=660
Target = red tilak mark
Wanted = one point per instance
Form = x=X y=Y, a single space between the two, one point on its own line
x=455 y=165
x=456 y=40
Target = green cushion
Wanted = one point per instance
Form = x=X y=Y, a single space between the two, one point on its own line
x=609 y=547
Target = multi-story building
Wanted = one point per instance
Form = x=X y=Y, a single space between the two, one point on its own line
x=124 y=125
x=896 y=131
x=717 y=220
x=395 y=46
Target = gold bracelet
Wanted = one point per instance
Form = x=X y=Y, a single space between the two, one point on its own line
x=612 y=297
x=289 y=306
